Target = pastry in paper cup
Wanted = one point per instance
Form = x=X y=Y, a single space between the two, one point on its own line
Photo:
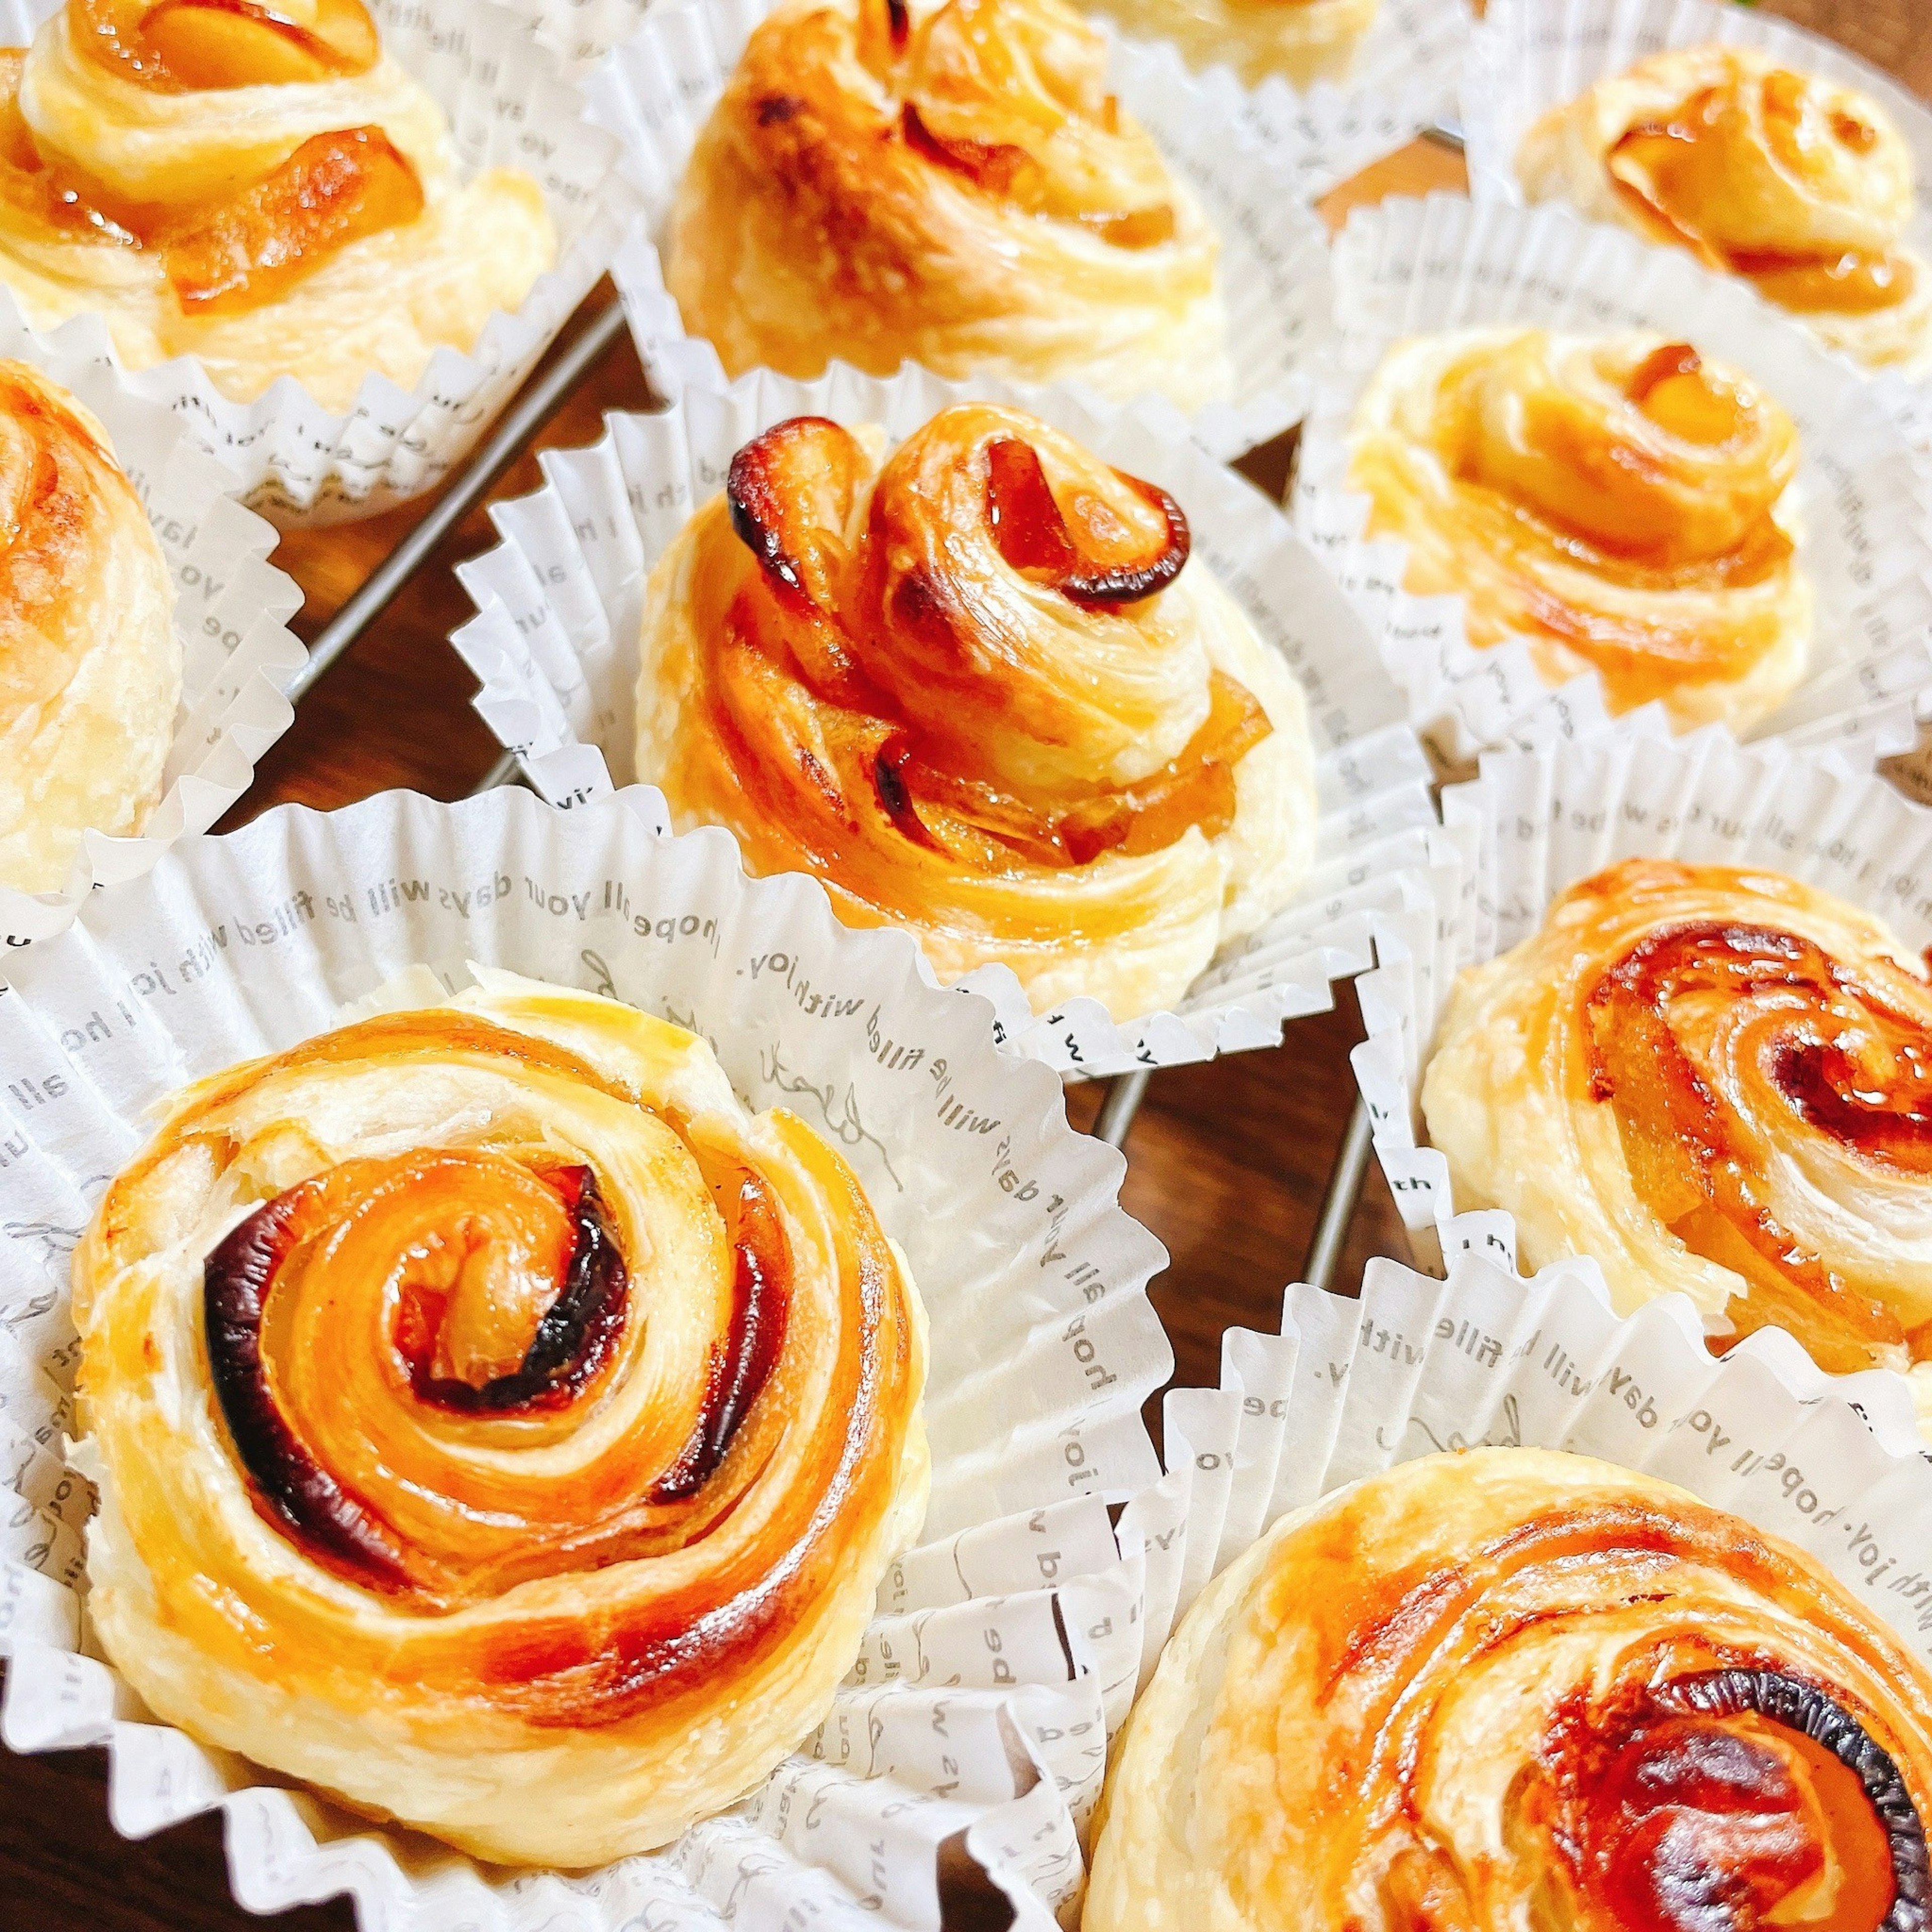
x=1564 y=475
x=378 y=1136
x=1767 y=152
x=148 y=650
x=1495 y=1596
x=1164 y=790
x=1149 y=240
x=1682 y=1039
x=334 y=238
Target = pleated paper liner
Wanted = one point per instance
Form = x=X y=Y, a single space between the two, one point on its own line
x=509 y=104
x=555 y=641
x=1347 y=1389
x=1529 y=57
x=1535 y=823
x=970 y=1741
x=231 y=610
x=1411 y=268
x=656 y=89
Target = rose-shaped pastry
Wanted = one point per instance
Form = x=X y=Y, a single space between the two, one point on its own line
x=497 y=1426
x=1621 y=504
x=90 y=665
x=885 y=182
x=1802 y=186
x=260 y=187
x=1302 y=40
x=978 y=688
x=1512 y=1688
x=1712 y=1081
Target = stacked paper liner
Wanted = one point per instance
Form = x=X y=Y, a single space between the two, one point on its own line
x=231 y=610
x=1349 y=1388
x=1411 y=268
x=657 y=88
x=1535 y=823
x=1529 y=57
x=510 y=105
x=968 y=1746
x=555 y=641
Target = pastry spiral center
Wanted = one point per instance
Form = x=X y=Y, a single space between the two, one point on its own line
x=1718 y=172
x=1010 y=96
x=282 y=209
x=1731 y=1800
x=1716 y=1045
x=956 y=651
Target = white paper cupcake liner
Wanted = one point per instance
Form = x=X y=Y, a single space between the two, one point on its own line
x=555 y=646
x=1529 y=57
x=1535 y=823
x=231 y=606
x=970 y=1740
x=509 y=104
x=656 y=89
x=1409 y=267
x=1348 y=1389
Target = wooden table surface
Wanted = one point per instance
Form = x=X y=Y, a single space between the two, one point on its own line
x=1228 y=1161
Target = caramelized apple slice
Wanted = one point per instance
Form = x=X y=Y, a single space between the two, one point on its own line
x=332 y=190
x=791 y=492
x=223 y=43
x=1084 y=549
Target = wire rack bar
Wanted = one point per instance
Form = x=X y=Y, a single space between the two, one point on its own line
x=526 y=416
x=1338 y=1204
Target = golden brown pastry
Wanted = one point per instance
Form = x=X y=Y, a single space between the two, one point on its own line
x=1713 y=1082
x=1302 y=40
x=976 y=687
x=1512 y=1689
x=260 y=187
x=886 y=181
x=1620 y=503
x=497 y=1425
x=1802 y=186
x=90 y=664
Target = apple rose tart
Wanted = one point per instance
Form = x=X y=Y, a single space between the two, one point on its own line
x=1513 y=1688
x=1803 y=187
x=886 y=182
x=976 y=687
x=1621 y=504
x=1714 y=1082
x=257 y=187
x=90 y=665
x=497 y=1426
x=1302 y=40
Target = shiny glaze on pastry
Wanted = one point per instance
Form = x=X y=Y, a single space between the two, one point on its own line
x=90 y=665
x=1511 y=1688
x=977 y=687
x=497 y=1426
x=1620 y=503
x=1802 y=186
x=1302 y=41
x=260 y=187
x=891 y=181
x=1714 y=1081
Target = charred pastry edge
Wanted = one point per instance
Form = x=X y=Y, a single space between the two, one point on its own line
x=749 y=496
x=1806 y=1708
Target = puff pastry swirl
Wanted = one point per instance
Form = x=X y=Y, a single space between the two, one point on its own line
x=893 y=180
x=1622 y=505
x=1512 y=1688
x=1302 y=40
x=1803 y=187
x=1712 y=1081
x=263 y=188
x=497 y=1425
x=976 y=687
x=90 y=664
